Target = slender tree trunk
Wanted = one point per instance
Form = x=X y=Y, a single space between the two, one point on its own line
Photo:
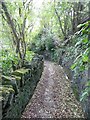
x=77 y=9
x=19 y=39
x=59 y=20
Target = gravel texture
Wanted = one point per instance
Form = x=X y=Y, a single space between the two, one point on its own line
x=53 y=97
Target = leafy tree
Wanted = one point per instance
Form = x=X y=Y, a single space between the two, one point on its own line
x=17 y=24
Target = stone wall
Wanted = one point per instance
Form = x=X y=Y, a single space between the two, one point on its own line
x=78 y=85
x=24 y=82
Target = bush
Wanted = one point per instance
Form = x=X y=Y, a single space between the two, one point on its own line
x=6 y=58
x=42 y=43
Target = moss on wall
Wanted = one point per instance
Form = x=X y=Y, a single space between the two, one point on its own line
x=31 y=76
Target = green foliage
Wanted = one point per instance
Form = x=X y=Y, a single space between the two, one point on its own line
x=81 y=63
x=86 y=91
x=38 y=29
x=29 y=55
x=49 y=43
x=26 y=91
x=81 y=60
x=6 y=58
x=41 y=42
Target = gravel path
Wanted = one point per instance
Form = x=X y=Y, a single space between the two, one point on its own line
x=53 y=97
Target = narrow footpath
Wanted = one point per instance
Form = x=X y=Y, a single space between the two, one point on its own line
x=53 y=97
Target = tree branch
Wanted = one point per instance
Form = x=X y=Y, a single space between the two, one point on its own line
x=10 y=22
x=59 y=19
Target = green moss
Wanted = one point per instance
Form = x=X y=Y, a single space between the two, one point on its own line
x=75 y=90
x=29 y=79
x=20 y=72
x=7 y=78
x=10 y=81
x=16 y=77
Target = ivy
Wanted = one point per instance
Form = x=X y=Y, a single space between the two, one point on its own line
x=82 y=60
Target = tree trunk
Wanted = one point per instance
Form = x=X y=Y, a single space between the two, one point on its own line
x=19 y=40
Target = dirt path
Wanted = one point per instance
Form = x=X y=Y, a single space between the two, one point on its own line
x=53 y=97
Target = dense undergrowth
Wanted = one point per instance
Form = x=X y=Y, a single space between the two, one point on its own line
x=9 y=61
